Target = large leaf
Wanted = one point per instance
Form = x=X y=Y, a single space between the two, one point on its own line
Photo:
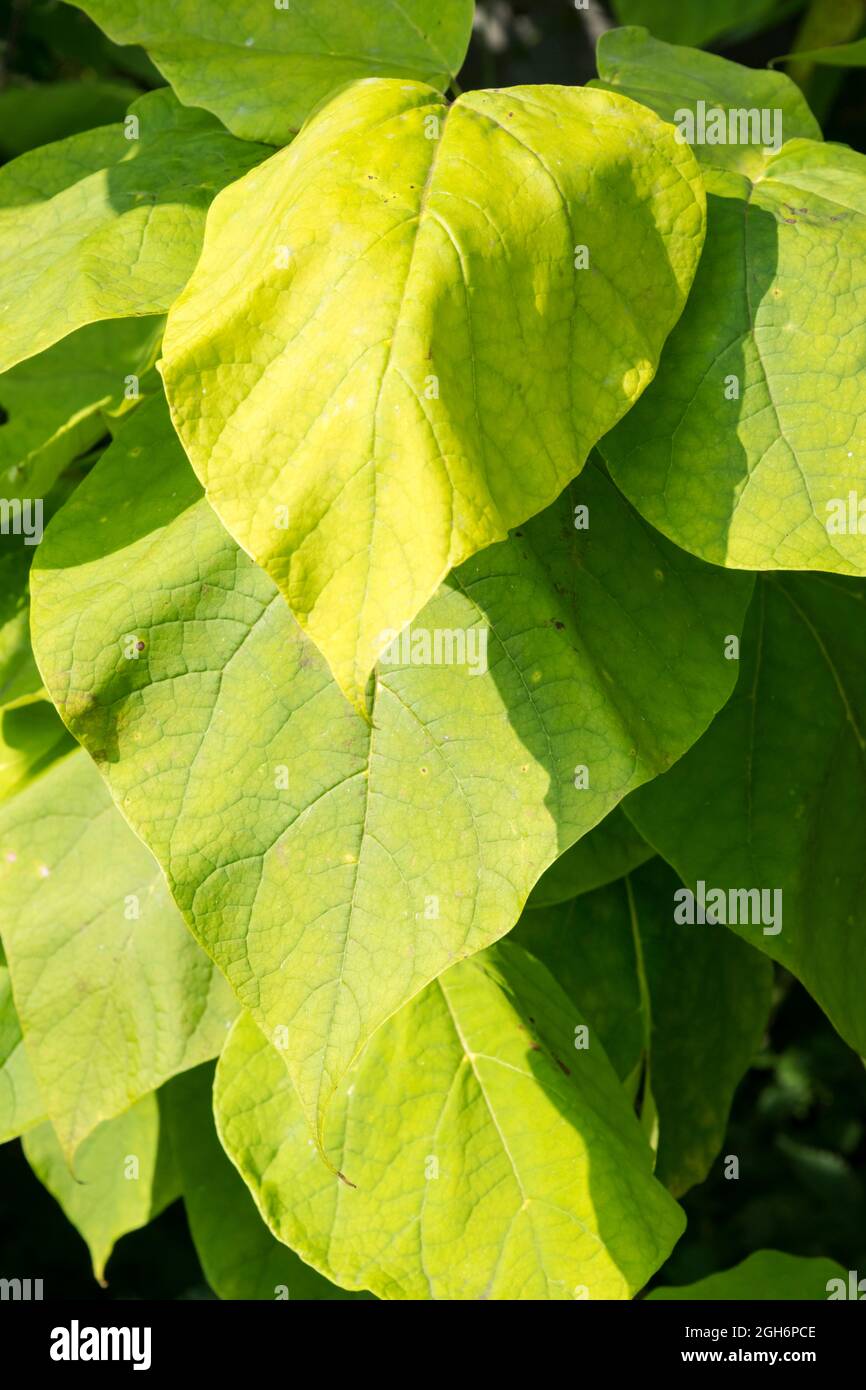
x=123 y=1177
x=512 y=1167
x=773 y=797
x=112 y=992
x=53 y=403
x=263 y=67
x=608 y=852
x=331 y=867
x=20 y=1103
x=766 y=1275
x=697 y=21
x=403 y=361
x=240 y=1257
x=102 y=226
x=753 y=435
x=688 y=1003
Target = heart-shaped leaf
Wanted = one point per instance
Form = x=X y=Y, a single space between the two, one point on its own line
x=407 y=331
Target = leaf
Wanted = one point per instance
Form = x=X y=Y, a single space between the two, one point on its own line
x=689 y=1003
x=765 y=1275
x=746 y=447
x=696 y=21
x=263 y=68
x=608 y=852
x=512 y=1168
x=102 y=226
x=239 y=1256
x=46 y=111
x=32 y=737
x=773 y=797
x=842 y=55
x=430 y=367
x=331 y=867
x=122 y=1178
x=54 y=402
x=110 y=1004
x=20 y=1104
x=669 y=79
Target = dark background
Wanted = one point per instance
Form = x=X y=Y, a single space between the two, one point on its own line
x=798 y=1124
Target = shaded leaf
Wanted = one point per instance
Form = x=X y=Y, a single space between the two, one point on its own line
x=47 y=111
x=262 y=68
x=687 y=1003
x=697 y=21
x=54 y=402
x=766 y=1275
x=608 y=852
x=773 y=797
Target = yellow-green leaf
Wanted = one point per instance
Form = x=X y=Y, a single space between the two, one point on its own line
x=407 y=331
x=491 y=1159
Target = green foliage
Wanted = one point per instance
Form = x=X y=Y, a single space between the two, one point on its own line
x=767 y=1274
x=108 y=224
x=423 y=479
x=792 y=736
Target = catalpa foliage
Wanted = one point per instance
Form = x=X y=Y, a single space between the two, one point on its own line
x=416 y=747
